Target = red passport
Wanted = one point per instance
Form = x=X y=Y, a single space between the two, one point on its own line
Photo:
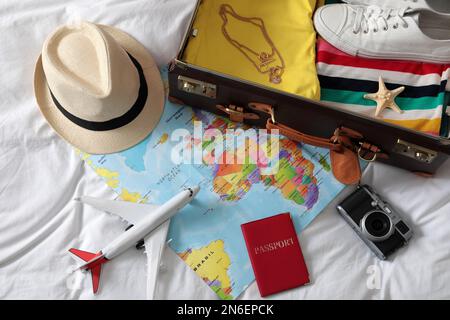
x=275 y=254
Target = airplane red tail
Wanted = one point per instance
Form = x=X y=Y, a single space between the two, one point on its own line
x=94 y=263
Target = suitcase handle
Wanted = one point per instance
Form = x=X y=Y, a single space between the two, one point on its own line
x=346 y=145
x=343 y=138
x=344 y=152
x=344 y=159
x=303 y=137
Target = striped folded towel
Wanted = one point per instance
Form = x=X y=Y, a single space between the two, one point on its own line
x=345 y=79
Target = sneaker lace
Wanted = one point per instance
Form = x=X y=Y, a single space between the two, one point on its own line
x=374 y=17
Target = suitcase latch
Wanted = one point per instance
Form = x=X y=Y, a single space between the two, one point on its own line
x=414 y=151
x=237 y=114
x=197 y=87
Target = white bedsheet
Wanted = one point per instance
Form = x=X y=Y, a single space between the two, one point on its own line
x=40 y=174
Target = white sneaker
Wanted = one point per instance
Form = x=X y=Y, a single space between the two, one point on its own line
x=374 y=32
x=441 y=6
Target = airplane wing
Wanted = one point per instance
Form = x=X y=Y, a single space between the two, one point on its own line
x=155 y=244
x=129 y=211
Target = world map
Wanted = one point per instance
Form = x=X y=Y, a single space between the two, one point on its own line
x=206 y=234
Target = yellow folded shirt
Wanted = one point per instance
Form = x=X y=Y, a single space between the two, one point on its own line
x=268 y=42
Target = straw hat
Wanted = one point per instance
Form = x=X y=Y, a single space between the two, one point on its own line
x=98 y=88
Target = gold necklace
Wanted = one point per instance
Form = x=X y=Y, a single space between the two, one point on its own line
x=264 y=58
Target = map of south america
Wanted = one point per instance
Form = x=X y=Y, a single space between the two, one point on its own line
x=211 y=263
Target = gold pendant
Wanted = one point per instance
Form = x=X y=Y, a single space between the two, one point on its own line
x=275 y=75
x=265 y=63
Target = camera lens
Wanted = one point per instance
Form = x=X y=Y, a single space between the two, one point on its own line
x=378 y=225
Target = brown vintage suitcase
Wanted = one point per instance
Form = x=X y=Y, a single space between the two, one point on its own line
x=314 y=122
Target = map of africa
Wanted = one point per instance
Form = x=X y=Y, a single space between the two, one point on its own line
x=206 y=234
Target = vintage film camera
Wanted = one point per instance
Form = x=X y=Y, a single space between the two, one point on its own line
x=376 y=223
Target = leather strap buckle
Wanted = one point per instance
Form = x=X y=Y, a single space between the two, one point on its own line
x=363 y=156
x=368 y=152
x=266 y=108
x=237 y=114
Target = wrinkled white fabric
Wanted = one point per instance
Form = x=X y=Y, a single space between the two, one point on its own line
x=40 y=175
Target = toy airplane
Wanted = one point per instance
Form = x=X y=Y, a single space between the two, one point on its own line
x=150 y=223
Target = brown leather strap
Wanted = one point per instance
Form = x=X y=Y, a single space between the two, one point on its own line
x=346 y=132
x=302 y=137
x=345 y=166
x=346 y=146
